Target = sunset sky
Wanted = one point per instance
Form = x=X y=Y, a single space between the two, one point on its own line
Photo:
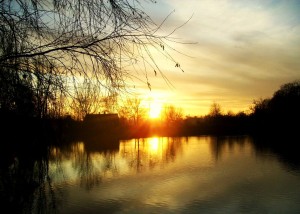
x=236 y=51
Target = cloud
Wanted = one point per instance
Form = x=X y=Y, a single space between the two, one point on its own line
x=245 y=50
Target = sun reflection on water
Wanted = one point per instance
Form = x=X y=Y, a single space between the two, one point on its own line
x=167 y=175
x=153 y=144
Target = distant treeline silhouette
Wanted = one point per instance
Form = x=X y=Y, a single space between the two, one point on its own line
x=276 y=115
x=279 y=115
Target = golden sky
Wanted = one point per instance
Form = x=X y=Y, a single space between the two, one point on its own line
x=239 y=50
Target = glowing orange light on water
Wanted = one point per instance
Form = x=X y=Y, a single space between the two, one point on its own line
x=153 y=144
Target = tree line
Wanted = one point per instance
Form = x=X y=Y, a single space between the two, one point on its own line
x=279 y=115
x=276 y=115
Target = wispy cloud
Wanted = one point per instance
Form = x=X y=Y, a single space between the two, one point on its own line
x=245 y=49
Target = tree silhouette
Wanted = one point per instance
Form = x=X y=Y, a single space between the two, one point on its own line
x=281 y=112
x=48 y=44
x=260 y=106
x=86 y=99
x=132 y=110
x=172 y=114
x=286 y=101
x=215 y=110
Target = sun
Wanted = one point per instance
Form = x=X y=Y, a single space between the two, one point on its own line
x=155 y=110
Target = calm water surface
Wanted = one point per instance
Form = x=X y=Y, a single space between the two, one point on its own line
x=169 y=175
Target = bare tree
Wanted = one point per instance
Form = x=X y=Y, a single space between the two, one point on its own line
x=86 y=99
x=132 y=110
x=109 y=103
x=30 y=94
x=215 y=109
x=58 y=107
x=172 y=114
x=68 y=39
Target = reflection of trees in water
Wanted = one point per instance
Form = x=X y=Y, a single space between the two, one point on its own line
x=91 y=163
x=25 y=182
x=221 y=146
x=148 y=153
x=283 y=147
x=29 y=177
x=84 y=166
x=174 y=148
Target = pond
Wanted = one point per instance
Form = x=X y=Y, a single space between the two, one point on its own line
x=202 y=174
